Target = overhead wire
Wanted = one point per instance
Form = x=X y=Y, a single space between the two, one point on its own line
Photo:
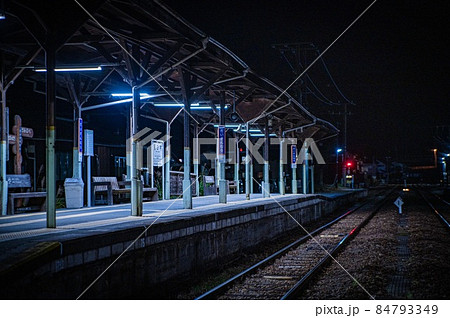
x=332 y=79
x=328 y=101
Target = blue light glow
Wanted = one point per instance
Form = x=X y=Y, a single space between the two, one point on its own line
x=74 y=69
x=130 y=94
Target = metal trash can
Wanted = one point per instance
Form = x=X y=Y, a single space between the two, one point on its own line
x=73 y=189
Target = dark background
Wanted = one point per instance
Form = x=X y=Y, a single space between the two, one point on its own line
x=393 y=63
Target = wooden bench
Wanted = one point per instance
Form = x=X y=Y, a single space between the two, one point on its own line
x=22 y=181
x=118 y=190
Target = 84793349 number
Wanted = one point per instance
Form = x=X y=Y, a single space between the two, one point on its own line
x=407 y=309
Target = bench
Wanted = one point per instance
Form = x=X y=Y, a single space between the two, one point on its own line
x=210 y=187
x=21 y=181
x=232 y=187
x=118 y=190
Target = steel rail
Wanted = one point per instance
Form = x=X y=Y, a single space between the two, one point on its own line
x=302 y=283
x=438 y=214
x=215 y=292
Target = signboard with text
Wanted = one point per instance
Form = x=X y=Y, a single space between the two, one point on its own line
x=157 y=153
x=293 y=156
x=88 y=143
x=80 y=140
x=222 y=145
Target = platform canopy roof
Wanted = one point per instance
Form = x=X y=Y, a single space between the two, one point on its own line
x=143 y=43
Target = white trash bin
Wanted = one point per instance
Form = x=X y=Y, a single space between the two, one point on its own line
x=73 y=188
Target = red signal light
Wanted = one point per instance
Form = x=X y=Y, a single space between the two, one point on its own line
x=349 y=164
x=241 y=149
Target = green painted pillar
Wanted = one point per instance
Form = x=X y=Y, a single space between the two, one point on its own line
x=248 y=178
x=187 y=191
x=294 y=179
x=281 y=182
x=196 y=161
x=136 y=183
x=50 y=62
x=222 y=157
x=236 y=168
x=266 y=185
x=167 y=164
x=3 y=149
x=305 y=169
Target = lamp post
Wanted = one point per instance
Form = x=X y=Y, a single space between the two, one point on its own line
x=444 y=172
x=339 y=150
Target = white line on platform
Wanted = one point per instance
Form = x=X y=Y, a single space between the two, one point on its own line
x=78 y=215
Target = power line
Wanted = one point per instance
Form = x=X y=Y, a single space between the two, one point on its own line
x=332 y=79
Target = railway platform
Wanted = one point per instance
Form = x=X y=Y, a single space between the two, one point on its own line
x=167 y=242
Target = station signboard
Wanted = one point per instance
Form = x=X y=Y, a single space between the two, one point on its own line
x=80 y=140
x=293 y=156
x=88 y=143
x=222 y=144
x=157 y=153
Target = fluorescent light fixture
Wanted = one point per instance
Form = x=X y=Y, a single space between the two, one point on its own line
x=252 y=130
x=2 y=16
x=194 y=106
x=71 y=69
x=121 y=101
x=228 y=126
x=338 y=150
x=262 y=135
x=173 y=104
x=130 y=94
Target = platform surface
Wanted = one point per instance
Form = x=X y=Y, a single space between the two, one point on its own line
x=19 y=232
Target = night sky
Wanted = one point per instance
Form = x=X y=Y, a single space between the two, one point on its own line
x=393 y=63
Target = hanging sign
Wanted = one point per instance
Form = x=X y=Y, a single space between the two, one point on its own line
x=80 y=140
x=222 y=145
x=293 y=156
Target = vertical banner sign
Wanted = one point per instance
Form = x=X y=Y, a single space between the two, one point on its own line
x=7 y=132
x=222 y=143
x=88 y=143
x=158 y=153
x=80 y=140
x=293 y=156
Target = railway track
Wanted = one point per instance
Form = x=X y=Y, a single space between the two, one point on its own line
x=284 y=274
x=438 y=205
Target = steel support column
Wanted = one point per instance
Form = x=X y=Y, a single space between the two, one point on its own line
x=136 y=183
x=251 y=174
x=266 y=186
x=294 y=179
x=222 y=180
x=236 y=168
x=50 y=63
x=305 y=169
x=248 y=178
x=187 y=191
x=281 y=183
x=167 y=163
x=196 y=160
x=76 y=173
x=312 y=178
x=294 y=174
x=3 y=149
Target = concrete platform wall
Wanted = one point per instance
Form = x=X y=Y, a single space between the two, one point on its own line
x=168 y=250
